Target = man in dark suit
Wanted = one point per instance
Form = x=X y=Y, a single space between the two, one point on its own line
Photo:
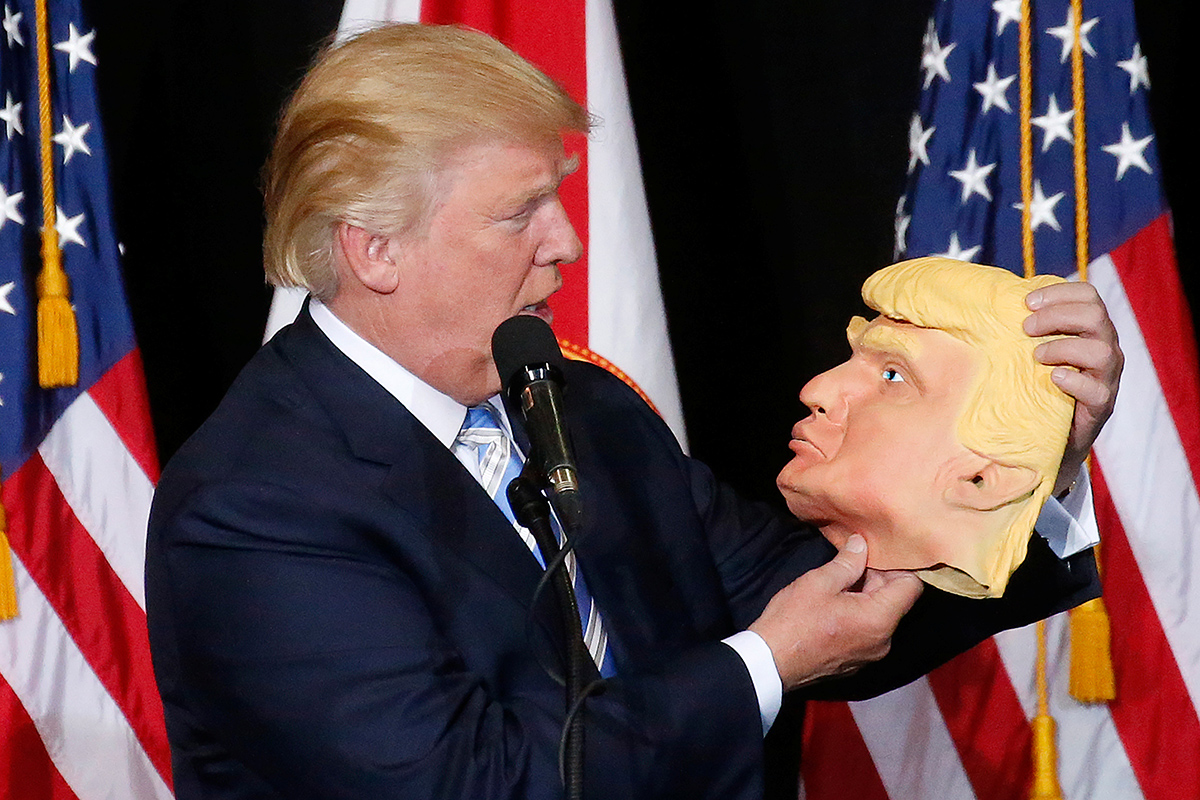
x=338 y=608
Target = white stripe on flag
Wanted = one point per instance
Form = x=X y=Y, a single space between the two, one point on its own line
x=1090 y=753
x=626 y=321
x=86 y=735
x=1143 y=461
x=104 y=487
x=910 y=744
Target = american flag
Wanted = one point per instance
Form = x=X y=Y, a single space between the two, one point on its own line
x=80 y=715
x=963 y=732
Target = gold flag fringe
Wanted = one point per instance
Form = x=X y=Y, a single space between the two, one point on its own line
x=58 y=334
x=1045 y=752
x=1045 y=762
x=8 y=585
x=1092 y=679
x=1026 y=90
x=1091 y=654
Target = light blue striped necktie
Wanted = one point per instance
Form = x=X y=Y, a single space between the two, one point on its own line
x=500 y=462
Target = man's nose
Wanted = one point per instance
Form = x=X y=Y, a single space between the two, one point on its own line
x=560 y=245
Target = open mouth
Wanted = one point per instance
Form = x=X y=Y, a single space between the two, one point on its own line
x=539 y=309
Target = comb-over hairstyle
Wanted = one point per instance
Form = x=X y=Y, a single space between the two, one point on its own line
x=377 y=117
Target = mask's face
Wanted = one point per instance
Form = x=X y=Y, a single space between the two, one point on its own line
x=880 y=454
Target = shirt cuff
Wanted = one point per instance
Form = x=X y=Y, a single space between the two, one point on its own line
x=1069 y=525
x=760 y=663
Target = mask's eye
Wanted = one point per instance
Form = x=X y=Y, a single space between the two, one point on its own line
x=892 y=376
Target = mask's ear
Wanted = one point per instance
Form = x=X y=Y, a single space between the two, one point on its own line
x=989 y=485
x=368 y=257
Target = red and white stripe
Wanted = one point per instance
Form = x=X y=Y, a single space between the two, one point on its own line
x=963 y=732
x=611 y=303
x=80 y=715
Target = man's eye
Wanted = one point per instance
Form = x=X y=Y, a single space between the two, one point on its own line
x=519 y=220
x=892 y=376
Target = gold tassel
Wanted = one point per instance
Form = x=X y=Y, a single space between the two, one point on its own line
x=1045 y=753
x=1045 y=760
x=1089 y=623
x=58 y=333
x=1091 y=654
x=1092 y=678
x=8 y=585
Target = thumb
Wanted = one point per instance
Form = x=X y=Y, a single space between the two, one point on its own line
x=848 y=565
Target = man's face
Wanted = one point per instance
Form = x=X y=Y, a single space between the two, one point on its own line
x=491 y=250
x=880 y=447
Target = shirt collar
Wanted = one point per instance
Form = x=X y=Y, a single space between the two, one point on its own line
x=440 y=413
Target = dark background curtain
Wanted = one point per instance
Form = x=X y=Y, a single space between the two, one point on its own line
x=773 y=138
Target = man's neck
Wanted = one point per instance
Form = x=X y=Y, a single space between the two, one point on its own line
x=440 y=413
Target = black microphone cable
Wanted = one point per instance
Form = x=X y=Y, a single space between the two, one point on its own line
x=532 y=510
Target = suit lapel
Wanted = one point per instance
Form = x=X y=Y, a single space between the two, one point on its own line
x=424 y=478
x=629 y=576
x=631 y=570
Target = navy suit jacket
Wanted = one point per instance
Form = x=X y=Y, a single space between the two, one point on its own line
x=338 y=610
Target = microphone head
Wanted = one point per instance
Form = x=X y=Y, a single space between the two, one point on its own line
x=523 y=341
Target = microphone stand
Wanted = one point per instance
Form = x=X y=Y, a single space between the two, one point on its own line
x=532 y=510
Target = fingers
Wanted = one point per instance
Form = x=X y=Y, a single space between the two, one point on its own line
x=1062 y=293
x=820 y=625
x=1094 y=394
x=1068 y=308
x=847 y=567
x=895 y=590
x=1088 y=362
x=1096 y=369
x=1093 y=355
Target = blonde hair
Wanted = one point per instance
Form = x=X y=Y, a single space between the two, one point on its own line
x=365 y=135
x=1014 y=414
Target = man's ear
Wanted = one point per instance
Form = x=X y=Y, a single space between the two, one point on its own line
x=989 y=485
x=369 y=258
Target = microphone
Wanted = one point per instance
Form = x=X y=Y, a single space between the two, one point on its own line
x=530 y=364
